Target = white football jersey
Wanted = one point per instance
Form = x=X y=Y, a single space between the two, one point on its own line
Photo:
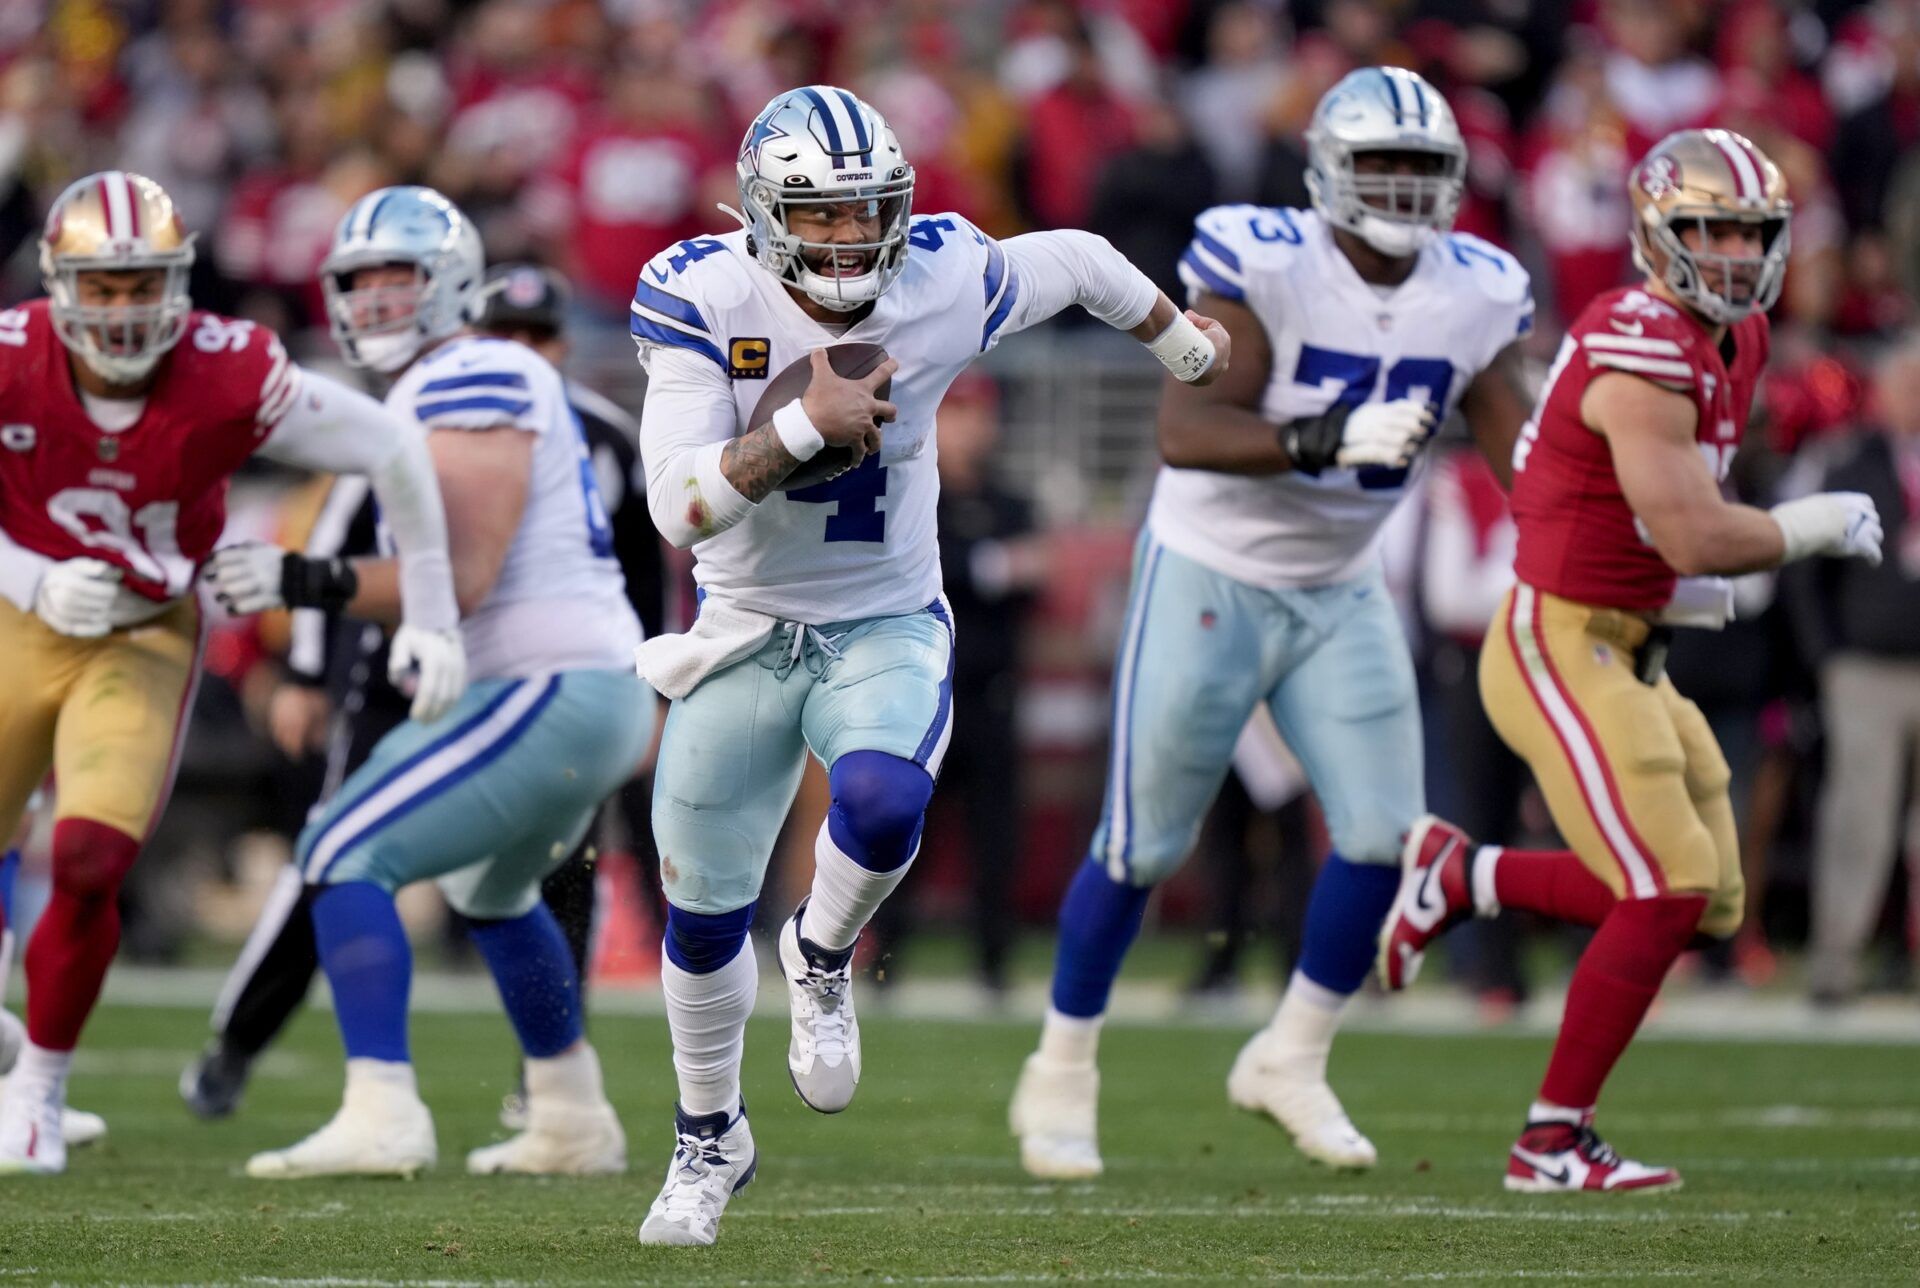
x=713 y=326
x=1335 y=338
x=560 y=602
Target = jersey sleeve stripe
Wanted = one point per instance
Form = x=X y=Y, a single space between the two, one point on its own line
x=644 y=328
x=669 y=305
x=478 y=402
x=1634 y=344
x=1009 y=296
x=1676 y=372
x=1209 y=278
x=480 y=379
x=996 y=269
x=1216 y=248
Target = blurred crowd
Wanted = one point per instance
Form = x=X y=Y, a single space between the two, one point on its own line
x=590 y=134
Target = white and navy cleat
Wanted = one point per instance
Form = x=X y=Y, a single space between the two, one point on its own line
x=823 y=1054
x=713 y=1160
x=1055 y=1114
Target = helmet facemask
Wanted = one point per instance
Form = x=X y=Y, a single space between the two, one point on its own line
x=120 y=343
x=1395 y=214
x=798 y=262
x=1706 y=280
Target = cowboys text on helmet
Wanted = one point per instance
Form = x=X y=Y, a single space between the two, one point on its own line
x=121 y=224
x=818 y=153
x=384 y=326
x=1373 y=115
x=1693 y=182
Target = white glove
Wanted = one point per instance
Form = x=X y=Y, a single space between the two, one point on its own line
x=1845 y=525
x=75 y=597
x=432 y=665
x=246 y=577
x=1386 y=433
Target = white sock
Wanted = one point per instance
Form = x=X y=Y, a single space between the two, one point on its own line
x=573 y=1075
x=1485 y=902
x=1542 y=1112
x=1301 y=1031
x=371 y=1077
x=1070 y=1039
x=40 y=1072
x=707 y=1015
x=845 y=895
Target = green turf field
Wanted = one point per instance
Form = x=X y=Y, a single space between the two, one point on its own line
x=1802 y=1165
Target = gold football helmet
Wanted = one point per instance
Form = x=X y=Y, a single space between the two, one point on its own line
x=1694 y=178
x=116 y=222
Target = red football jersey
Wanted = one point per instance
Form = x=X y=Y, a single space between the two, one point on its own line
x=152 y=498
x=1578 y=538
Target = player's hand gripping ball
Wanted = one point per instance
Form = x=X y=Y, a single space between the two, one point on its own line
x=847 y=403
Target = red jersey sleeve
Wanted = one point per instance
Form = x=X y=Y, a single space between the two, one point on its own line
x=1642 y=336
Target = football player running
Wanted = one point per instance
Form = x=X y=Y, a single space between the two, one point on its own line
x=491 y=799
x=1358 y=326
x=127 y=410
x=822 y=626
x=1624 y=534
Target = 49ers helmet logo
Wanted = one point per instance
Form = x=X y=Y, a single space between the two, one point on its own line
x=1659 y=177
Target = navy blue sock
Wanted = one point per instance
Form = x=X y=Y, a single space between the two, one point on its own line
x=1349 y=902
x=1098 y=921
x=539 y=985
x=702 y=942
x=369 y=966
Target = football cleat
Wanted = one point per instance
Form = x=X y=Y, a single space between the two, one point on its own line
x=1561 y=1158
x=381 y=1130
x=79 y=1127
x=1055 y=1114
x=713 y=1160
x=560 y=1140
x=823 y=1055
x=1435 y=894
x=214 y=1083
x=32 y=1141
x=1263 y=1081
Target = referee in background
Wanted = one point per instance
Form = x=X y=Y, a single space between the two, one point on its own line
x=336 y=699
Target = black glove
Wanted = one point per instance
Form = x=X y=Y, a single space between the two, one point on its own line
x=328 y=584
x=1312 y=442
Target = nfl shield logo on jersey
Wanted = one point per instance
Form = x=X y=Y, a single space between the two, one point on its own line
x=18 y=438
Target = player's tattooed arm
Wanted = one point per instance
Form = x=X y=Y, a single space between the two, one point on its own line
x=757 y=462
x=1497 y=405
x=1218 y=426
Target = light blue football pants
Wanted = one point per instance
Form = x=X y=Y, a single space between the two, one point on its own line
x=491 y=797
x=731 y=756
x=1199 y=650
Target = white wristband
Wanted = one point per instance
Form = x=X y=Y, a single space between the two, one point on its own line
x=796 y=431
x=1183 y=350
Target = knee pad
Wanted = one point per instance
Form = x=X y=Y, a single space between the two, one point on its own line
x=90 y=859
x=879 y=806
x=702 y=942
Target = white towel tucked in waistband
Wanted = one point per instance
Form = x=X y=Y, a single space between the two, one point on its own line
x=721 y=635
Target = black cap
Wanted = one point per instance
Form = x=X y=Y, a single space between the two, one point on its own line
x=522 y=296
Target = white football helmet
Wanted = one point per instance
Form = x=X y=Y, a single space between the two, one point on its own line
x=821 y=146
x=383 y=328
x=116 y=221
x=1385 y=109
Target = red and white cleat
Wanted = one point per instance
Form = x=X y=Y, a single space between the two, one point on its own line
x=1560 y=1158
x=1436 y=892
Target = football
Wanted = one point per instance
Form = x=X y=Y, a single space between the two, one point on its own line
x=849 y=360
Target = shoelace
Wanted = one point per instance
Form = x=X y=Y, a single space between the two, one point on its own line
x=815 y=660
x=1588 y=1142
x=828 y=992
x=697 y=1164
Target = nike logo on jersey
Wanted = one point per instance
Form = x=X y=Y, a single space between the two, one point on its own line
x=1627 y=328
x=659 y=274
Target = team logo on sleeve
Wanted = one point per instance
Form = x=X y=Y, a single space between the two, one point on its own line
x=18 y=438
x=747 y=358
